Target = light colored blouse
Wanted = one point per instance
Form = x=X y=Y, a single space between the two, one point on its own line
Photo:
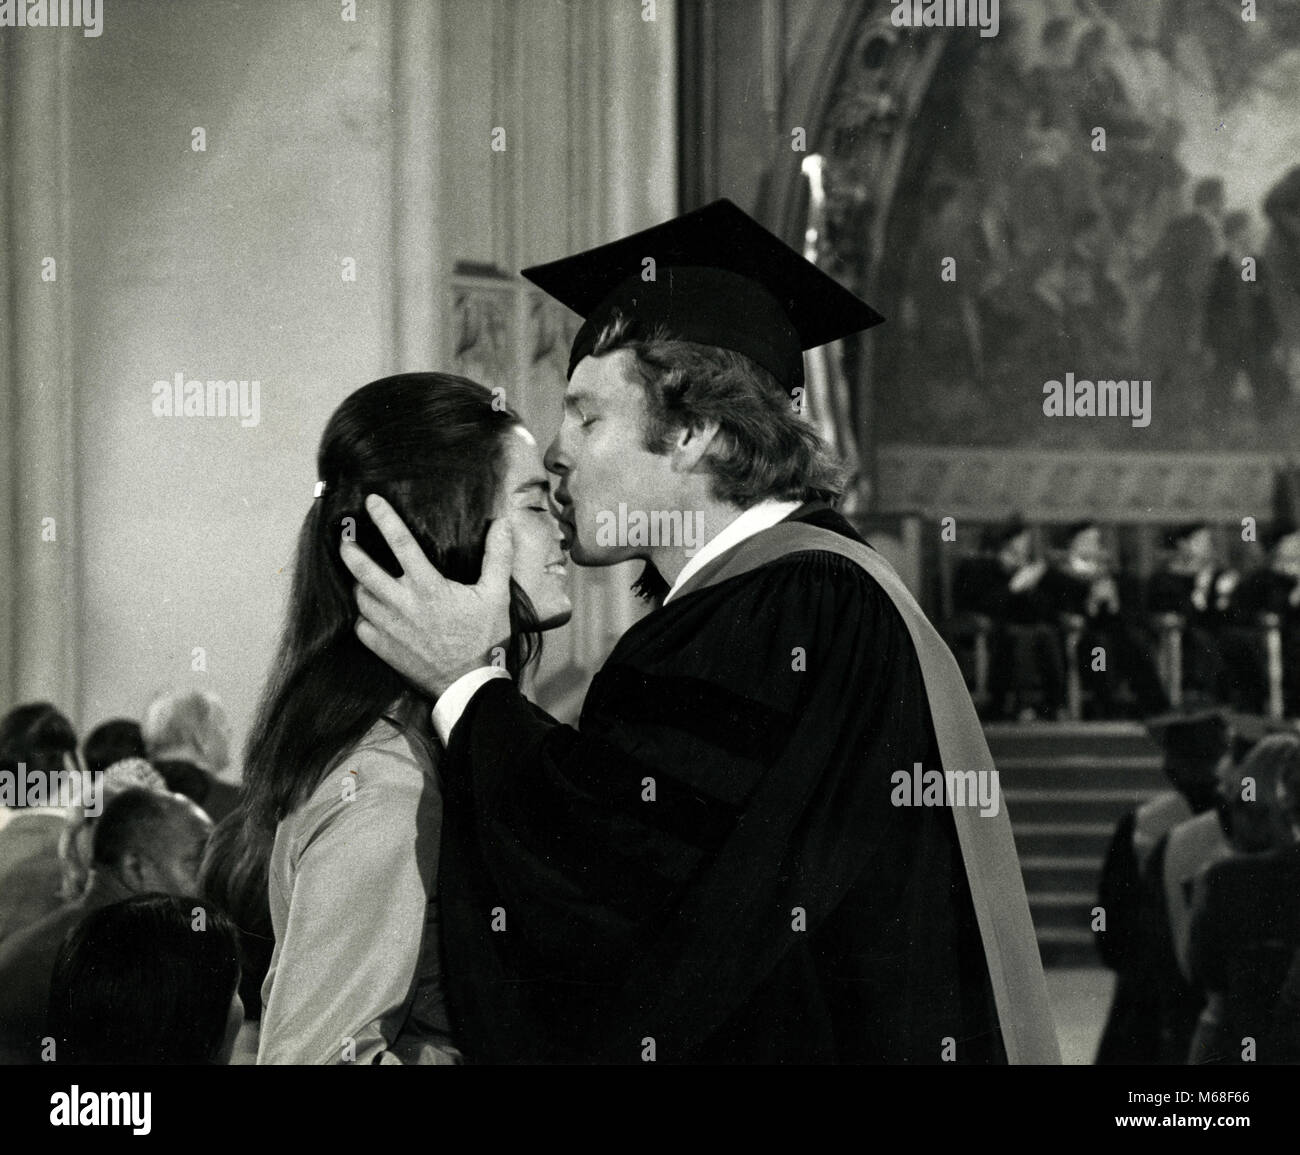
x=355 y=975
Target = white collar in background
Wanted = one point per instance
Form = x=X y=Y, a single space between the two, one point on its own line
x=754 y=520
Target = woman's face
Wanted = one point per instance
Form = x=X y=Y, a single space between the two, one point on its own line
x=540 y=561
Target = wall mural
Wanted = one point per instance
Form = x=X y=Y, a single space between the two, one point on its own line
x=1151 y=270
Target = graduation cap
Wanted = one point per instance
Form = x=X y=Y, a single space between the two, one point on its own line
x=718 y=278
x=1181 y=533
x=1280 y=528
x=1062 y=536
x=995 y=537
x=1192 y=739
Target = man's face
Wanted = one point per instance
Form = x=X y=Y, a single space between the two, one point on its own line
x=171 y=862
x=1015 y=551
x=1085 y=549
x=1286 y=555
x=1197 y=549
x=601 y=460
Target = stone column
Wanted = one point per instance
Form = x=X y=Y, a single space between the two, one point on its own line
x=418 y=280
x=39 y=652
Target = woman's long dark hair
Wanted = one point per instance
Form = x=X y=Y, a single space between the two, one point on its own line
x=431 y=444
x=135 y=982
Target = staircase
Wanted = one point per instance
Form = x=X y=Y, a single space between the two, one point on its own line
x=1066 y=785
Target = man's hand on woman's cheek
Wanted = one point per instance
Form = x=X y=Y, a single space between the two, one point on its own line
x=429 y=629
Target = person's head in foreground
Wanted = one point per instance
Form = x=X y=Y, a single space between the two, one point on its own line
x=76 y=843
x=1260 y=794
x=150 y=841
x=1193 y=746
x=187 y=726
x=686 y=386
x=38 y=736
x=150 y=980
x=111 y=742
x=449 y=458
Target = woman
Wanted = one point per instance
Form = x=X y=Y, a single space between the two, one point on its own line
x=143 y=981
x=1246 y=923
x=342 y=763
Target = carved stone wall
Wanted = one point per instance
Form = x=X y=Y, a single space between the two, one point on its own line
x=987 y=484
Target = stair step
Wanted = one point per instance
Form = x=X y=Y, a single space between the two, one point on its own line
x=1052 y=762
x=1054 y=918
x=1110 y=739
x=1065 y=934
x=1060 y=862
x=1054 y=809
x=1118 y=794
x=1063 y=898
x=1090 y=838
x=1044 y=829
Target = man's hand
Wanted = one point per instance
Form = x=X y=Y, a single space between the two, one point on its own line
x=427 y=628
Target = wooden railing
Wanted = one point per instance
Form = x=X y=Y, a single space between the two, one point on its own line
x=975 y=631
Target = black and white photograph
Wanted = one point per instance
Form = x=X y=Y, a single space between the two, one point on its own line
x=717 y=534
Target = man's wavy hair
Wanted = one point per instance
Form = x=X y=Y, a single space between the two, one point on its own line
x=763 y=450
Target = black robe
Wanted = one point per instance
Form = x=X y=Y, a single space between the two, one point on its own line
x=770 y=904
x=1245 y=934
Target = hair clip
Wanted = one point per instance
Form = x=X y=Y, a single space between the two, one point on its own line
x=320 y=489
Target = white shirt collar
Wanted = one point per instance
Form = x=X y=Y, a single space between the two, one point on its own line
x=754 y=520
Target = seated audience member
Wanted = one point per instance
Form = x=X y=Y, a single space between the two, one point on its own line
x=188 y=740
x=139 y=982
x=234 y=876
x=1246 y=925
x=1192 y=586
x=143 y=842
x=1168 y=887
x=1154 y=1008
x=113 y=741
x=1282 y=1044
x=1111 y=652
x=76 y=841
x=1026 y=664
x=1274 y=588
x=42 y=740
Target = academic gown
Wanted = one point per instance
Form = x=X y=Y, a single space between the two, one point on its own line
x=710 y=869
x=1262 y=591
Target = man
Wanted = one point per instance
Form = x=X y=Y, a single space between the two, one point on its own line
x=1025 y=659
x=1192 y=586
x=1182 y=263
x=1245 y=929
x=1273 y=588
x=41 y=740
x=1240 y=329
x=1133 y=943
x=144 y=842
x=188 y=742
x=710 y=869
x=112 y=741
x=1180 y=858
x=1082 y=585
